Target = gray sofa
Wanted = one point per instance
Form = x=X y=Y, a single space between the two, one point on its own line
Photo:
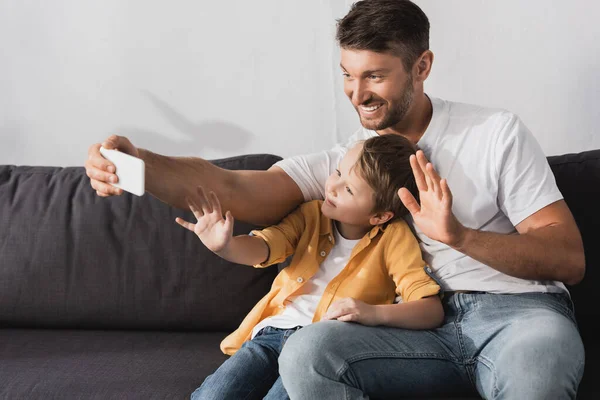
x=108 y=298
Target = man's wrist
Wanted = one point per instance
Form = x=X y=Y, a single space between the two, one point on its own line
x=463 y=239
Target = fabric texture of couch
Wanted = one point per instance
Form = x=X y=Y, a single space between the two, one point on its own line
x=108 y=298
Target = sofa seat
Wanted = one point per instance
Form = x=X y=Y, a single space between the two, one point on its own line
x=94 y=364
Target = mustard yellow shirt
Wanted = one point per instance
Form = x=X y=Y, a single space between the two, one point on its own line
x=386 y=262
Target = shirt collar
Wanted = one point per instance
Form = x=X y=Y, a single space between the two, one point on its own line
x=326 y=228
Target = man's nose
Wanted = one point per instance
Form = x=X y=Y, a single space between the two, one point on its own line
x=361 y=93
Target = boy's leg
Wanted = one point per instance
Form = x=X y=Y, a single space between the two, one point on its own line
x=523 y=345
x=249 y=373
x=344 y=360
x=277 y=391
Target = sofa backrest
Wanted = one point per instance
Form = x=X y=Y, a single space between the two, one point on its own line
x=578 y=178
x=71 y=259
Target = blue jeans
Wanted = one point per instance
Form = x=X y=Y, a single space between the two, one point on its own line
x=252 y=372
x=500 y=346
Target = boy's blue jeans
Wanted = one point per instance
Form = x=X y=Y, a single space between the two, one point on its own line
x=519 y=346
x=252 y=372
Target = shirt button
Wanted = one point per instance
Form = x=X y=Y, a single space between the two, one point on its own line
x=299 y=279
x=330 y=238
x=323 y=254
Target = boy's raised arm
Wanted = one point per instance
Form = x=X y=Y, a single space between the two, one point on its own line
x=216 y=232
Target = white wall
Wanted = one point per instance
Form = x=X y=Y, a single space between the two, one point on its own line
x=222 y=78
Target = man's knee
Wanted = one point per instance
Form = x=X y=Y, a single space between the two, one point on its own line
x=308 y=347
x=538 y=360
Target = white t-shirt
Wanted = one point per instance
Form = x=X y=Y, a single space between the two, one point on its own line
x=498 y=175
x=300 y=308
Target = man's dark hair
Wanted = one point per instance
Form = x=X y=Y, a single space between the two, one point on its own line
x=396 y=26
x=384 y=164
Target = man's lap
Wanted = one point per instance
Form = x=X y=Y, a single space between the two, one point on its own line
x=483 y=337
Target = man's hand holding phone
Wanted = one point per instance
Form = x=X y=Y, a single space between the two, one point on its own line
x=104 y=173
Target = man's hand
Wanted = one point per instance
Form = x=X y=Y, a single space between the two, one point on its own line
x=101 y=171
x=212 y=229
x=352 y=310
x=434 y=216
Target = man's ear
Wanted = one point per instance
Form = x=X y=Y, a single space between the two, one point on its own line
x=381 y=218
x=422 y=66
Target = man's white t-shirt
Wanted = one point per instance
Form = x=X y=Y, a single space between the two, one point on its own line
x=300 y=308
x=498 y=175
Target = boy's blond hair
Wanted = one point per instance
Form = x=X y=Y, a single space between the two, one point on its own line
x=384 y=164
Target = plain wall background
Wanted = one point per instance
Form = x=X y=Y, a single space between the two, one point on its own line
x=217 y=79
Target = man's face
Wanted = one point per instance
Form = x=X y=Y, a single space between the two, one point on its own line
x=378 y=86
x=348 y=197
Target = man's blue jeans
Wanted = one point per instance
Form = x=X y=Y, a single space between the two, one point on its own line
x=252 y=372
x=513 y=346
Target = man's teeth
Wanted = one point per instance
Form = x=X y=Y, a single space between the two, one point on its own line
x=372 y=108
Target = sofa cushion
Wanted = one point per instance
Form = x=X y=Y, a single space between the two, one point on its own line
x=72 y=259
x=104 y=365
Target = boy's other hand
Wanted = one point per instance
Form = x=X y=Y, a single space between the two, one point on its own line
x=211 y=228
x=352 y=310
x=101 y=171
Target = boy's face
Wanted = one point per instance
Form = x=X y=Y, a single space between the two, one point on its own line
x=348 y=197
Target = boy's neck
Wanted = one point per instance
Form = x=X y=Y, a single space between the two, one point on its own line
x=352 y=232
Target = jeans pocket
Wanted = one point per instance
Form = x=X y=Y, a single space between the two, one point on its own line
x=564 y=305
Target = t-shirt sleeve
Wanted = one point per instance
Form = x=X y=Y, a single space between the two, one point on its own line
x=311 y=171
x=526 y=183
x=282 y=239
x=404 y=261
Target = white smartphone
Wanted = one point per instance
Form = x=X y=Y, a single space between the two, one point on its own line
x=130 y=170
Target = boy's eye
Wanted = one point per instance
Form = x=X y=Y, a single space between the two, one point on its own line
x=349 y=191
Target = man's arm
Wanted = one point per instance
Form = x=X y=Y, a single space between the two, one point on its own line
x=258 y=197
x=548 y=245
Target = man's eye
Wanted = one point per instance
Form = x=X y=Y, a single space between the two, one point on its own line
x=374 y=77
x=349 y=191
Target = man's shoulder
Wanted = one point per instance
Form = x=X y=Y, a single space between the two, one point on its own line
x=469 y=113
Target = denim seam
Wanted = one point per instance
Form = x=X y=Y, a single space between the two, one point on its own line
x=460 y=338
x=338 y=377
x=366 y=356
x=490 y=365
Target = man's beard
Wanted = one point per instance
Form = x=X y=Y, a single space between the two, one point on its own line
x=395 y=113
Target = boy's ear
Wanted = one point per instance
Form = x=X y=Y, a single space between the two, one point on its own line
x=381 y=218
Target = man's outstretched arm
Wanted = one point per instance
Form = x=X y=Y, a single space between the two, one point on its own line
x=548 y=245
x=259 y=197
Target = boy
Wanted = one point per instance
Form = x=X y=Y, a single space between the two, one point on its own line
x=352 y=255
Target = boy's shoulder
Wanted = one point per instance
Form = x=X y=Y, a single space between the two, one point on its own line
x=397 y=228
x=310 y=210
x=311 y=207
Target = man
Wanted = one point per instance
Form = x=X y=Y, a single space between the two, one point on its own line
x=501 y=247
